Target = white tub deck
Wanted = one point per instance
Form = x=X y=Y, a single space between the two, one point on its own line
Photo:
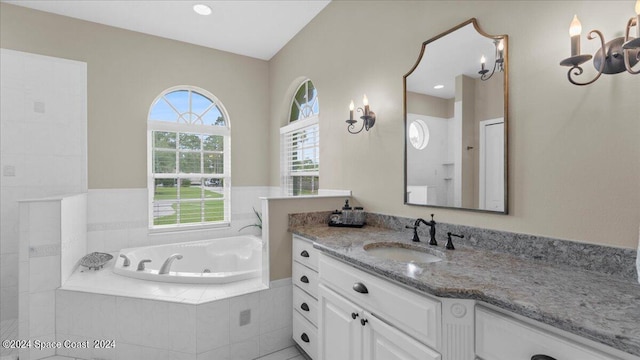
x=106 y=282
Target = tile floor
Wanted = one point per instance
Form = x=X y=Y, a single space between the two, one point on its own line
x=8 y=330
x=290 y=353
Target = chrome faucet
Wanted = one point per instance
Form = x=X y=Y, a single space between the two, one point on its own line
x=126 y=261
x=141 y=264
x=167 y=263
x=432 y=231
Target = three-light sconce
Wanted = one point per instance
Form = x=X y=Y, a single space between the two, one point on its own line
x=498 y=65
x=616 y=56
x=368 y=117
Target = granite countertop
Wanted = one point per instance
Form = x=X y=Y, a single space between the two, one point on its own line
x=596 y=306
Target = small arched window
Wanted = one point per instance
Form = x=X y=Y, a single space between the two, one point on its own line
x=189 y=159
x=300 y=139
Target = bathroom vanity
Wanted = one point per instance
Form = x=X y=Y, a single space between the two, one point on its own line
x=472 y=304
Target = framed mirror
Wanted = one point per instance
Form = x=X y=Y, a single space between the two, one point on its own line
x=455 y=107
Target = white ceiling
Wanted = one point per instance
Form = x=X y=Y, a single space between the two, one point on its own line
x=256 y=28
x=451 y=55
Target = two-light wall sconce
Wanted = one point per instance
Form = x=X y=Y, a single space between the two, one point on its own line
x=616 y=56
x=368 y=117
x=497 y=66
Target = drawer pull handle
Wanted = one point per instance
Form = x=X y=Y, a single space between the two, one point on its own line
x=304 y=279
x=363 y=322
x=542 y=357
x=359 y=287
x=304 y=253
x=354 y=315
x=304 y=307
x=304 y=337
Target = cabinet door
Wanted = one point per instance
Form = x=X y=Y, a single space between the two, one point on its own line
x=383 y=342
x=339 y=328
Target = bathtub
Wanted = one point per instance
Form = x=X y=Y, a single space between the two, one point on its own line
x=216 y=261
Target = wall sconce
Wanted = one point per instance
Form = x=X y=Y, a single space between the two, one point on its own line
x=618 y=55
x=368 y=117
x=497 y=66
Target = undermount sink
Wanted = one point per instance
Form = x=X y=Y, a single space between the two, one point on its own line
x=400 y=252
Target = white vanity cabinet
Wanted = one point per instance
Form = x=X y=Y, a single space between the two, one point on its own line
x=305 y=295
x=503 y=337
x=348 y=329
x=348 y=332
x=342 y=312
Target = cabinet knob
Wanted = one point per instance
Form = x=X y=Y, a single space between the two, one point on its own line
x=354 y=315
x=304 y=253
x=363 y=322
x=359 y=287
x=304 y=279
x=304 y=337
x=304 y=307
x=542 y=357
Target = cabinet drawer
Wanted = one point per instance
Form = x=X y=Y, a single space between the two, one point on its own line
x=416 y=315
x=305 y=278
x=305 y=335
x=305 y=305
x=499 y=337
x=304 y=253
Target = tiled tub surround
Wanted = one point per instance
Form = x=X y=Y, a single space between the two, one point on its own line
x=237 y=327
x=600 y=304
x=118 y=219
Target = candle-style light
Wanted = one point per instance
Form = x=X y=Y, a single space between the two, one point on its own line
x=618 y=55
x=351 y=107
x=368 y=117
x=575 y=29
x=482 y=62
x=365 y=102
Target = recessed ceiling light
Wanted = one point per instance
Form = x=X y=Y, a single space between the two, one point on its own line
x=202 y=9
x=438 y=87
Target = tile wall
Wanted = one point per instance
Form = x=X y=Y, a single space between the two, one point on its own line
x=43 y=146
x=52 y=233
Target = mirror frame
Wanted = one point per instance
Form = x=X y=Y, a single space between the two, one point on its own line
x=506 y=115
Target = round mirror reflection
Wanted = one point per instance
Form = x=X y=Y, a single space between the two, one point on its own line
x=419 y=134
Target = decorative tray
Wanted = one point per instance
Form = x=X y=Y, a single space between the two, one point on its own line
x=333 y=224
x=95 y=260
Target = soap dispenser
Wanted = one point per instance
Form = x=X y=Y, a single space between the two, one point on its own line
x=347 y=213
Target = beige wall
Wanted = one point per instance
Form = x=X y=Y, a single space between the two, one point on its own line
x=574 y=166
x=280 y=237
x=429 y=105
x=126 y=71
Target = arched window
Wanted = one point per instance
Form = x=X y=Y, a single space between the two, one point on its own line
x=300 y=140
x=189 y=159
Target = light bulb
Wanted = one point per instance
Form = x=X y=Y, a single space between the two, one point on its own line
x=575 y=28
x=483 y=60
x=638 y=7
x=351 y=106
x=501 y=44
x=365 y=100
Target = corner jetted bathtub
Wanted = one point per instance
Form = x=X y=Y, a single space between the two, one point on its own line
x=215 y=261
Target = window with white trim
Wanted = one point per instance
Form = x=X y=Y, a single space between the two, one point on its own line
x=300 y=143
x=189 y=157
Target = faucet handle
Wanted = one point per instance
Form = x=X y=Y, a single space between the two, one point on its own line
x=449 y=245
x=126 y=261
x=141 y=264
x=415 y=232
